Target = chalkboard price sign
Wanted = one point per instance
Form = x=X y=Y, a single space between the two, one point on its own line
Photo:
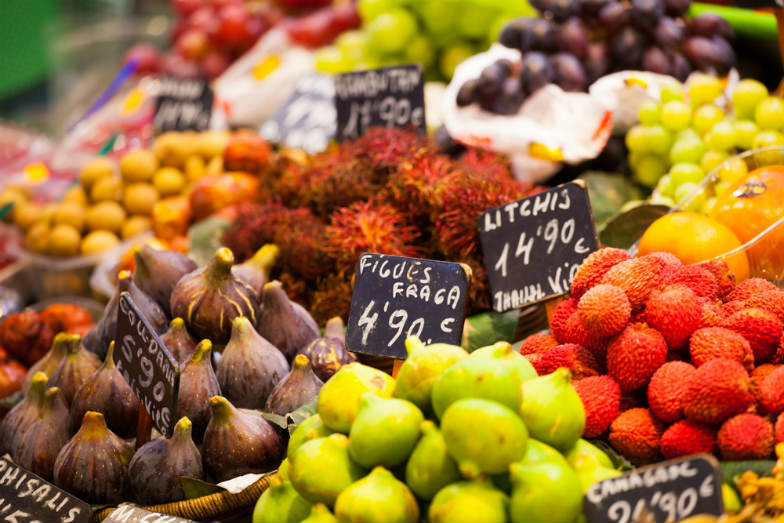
x=147 y=365
x=668 y=491
x=182 y=104
x=755 y=4
x=390 y=96
x=533 y=247
x=28 y=498
x=130 y=513
x=395 y=297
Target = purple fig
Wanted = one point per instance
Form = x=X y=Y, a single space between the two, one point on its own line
x=328 y=353
x=38 y=445
x=50 y=360
x=178 y=341
x=255 y=270
x=287 y=325
x=23 y=414
x=296 y=389
x=197 y=385
x=158 y=271
x=75 y=369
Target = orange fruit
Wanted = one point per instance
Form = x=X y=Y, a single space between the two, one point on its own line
x=694 y=238
x=750 y=206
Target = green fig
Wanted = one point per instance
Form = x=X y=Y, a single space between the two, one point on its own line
x=469 y=502
x=422 y=368
x=310 y=428
x=384 y=432
x=505 y=351
x=732 y=503
x=589 y=470
x=338 y=399
x=321 y=469
x=430 y=467
x=483 y=436
x=281 y=504
x=585 y=448
x=544 y=487
x=552 y=410
x=320 y=514
x=283 y=470
x=488 y=376
x=377 y=498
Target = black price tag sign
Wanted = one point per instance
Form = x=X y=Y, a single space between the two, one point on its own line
x=395 y=297
x=147 y=365
x=533 y=247
x=754 y=4
x=307 y=119
x=390 y=96
x=28 y=498
x=182 y=104
x=668 y=491
x=130 y=513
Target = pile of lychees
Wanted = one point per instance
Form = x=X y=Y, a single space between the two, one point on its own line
x=670 y=359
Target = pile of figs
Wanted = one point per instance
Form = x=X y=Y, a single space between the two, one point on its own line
x=244 y=349
x=455 y=437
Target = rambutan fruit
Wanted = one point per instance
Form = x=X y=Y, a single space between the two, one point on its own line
x=687 y=437
x=560 y=316
x=667 y=388
x=340 y=186
x=368 y=227
x=748 y=288
x=675 y=312
x=779 y=428
x=746 y=436
x=539 y=342
x=761 y=328
x=331 y=297
x=719 y=390
x=700 y=280
x=711 y=343
x=604 y=310
x=725 y=278
x=712 y=314
x=386 y=147
x=636 y=434
x=485 y=163
x=601 y=397
x=771 y=391
x=637 y=277
x=634 y=356
x=771 y=301
x=576 y=358
x=756 y=378
x=479 y=298
x=594 y=267
x=411 y=188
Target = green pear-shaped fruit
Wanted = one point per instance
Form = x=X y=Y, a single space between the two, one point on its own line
x=585 y=448
x=732 y=503
x=310 y=428
x=338 y=399
x=281 y=504
x=469 y=502
x=544 y=487
x=430 y=467
x=552 y=410
x=322 y=468
x=377 y=498
x=283 y=470
x=487 y=375
x=320 y=514
x=505 y=351
x=483 y=436
x=384 y=432
x=590 y=470
x=422 y=368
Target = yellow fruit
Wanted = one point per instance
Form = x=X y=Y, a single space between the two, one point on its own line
x=47 y=216
x=13 y=194
x=76 y=194
x=212 y=143
x=139 y=198
x=107 y=188
x=37 y=238
x=195 y=168
x=138 y=165
x=94 y=170
x=26 y=213
x=215 y=166
x=135 y=225
x=173 y=148
x=108 y=216
x=69 y=213
x=694 y=238
x=64 y=241
x=98 y=241
x=168 y=181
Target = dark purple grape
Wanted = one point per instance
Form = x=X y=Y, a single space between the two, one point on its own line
x=591 y=8
x=710 y=54
x=646 y=13
x=656 y=61
x=669 y=32
x=597 y=63
x=510 y=98
x=572 y=37
x=466 y=95
x=681 y=68
x=562 y=10
x=615 y=16
x=710 y=24
x=539 y=36
x=542 y=5
x=568 y=72
x=627 y=48
x=535 y=71
x=677 y=7
x=511 y=34
x=491 y=78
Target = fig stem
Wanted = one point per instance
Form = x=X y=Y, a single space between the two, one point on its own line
x=219 y=268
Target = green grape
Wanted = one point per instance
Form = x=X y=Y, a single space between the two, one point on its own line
x=637 y=139
x=733 y=170
x=370 y=9
x=419 y=51
x=706 y=117
x=687 y=151
x=675 y=115
x=745 y=131
x=474 y=20
x=747 y=95
x=690 y=197
x=767 y=138
x=390 y=32
x=649 y=170
x=671 y=91
x=708 y=205
x=721 y=136
x=681 y=173
x=634 y=159
x=665 y=186
x=439 y=16
x=452 y=57
x=659 y=199
x=704 y=88
x=687 y=134
x=649 y=113
x=659 y=139
x=353 y=44
x=331 y=60
x=712 y=159
x=769 y=113
x=721 y=187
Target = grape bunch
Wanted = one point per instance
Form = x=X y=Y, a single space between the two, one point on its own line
x=575 y=42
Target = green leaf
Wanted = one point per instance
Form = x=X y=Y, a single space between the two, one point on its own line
x=196 y=488
x=624 y=229
x=277 y=419
x=9 y=402
x=608 y=192
x=489 y=327
x=733 y=469
x=205 y=238
x=293 y=419
x=5 y=209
